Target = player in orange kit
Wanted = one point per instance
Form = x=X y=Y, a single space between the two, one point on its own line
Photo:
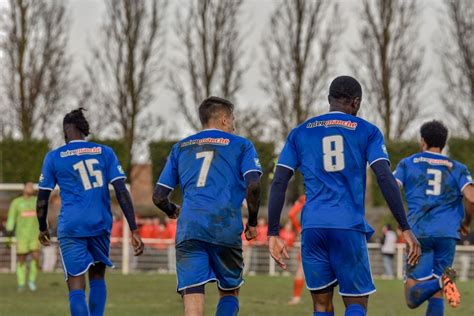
x=298 y=281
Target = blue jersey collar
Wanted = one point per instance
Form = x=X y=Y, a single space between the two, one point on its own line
x=433 y=153
x=77 y=141
x=211 y=129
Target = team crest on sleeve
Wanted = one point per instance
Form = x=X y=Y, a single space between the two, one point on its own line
x=469 y=177
x=384 y=148
x=257 y=162
x=120 y=169
x=41 y=178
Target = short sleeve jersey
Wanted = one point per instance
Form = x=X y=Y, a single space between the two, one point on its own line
x=433 y=185
x=82 y=170
x=332 y=151
x=210 y=167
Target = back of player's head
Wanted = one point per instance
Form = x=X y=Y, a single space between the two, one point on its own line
x=212 y=106
x=345 y=87
x=77 y=118
x=434 y=133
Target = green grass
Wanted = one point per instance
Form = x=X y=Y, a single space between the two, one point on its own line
x=153 y=294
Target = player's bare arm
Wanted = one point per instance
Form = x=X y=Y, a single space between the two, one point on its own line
x=468 y=193
x=276 y=246
x=391 y=193
x=161 y=200
x=42 y=214
x=125 y=201
x=252 y=180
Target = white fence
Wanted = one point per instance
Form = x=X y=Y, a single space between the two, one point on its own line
x=159 y=257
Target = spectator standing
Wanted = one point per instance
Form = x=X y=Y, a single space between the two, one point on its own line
x=389 y=249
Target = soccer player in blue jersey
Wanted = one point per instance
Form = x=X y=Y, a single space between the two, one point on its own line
x=216 y=171
x=435 y=186
x=83 y=171
x=332 y=151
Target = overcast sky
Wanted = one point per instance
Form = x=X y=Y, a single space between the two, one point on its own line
x=86 y=17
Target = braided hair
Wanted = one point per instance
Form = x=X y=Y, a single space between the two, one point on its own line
x=77 y=118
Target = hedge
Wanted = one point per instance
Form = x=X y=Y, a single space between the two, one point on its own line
x=159 y=152
x=463 y=151
x=396 y=151
x=21 y=160
x=119 y=148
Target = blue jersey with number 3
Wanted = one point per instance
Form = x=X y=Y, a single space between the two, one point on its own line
x=210 y=167
x=332 y=151
x=433 y=185
x=82 y=170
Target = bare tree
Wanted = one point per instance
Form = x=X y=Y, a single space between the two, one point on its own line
x=35 y=67
x=125 y=68
x=458 y=63
x=299 y=47
x=208 y=33
x=388 y=61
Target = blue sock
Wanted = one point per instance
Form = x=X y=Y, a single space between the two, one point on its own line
x=422 y=291
x=228 y=306
x=435 y=307
x=97 y=297
x=323 y=314
x=77 y=303
x=355 y=310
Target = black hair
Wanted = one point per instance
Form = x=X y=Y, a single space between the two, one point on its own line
x=345 y=87
x=434 y=133
x=77 y=118
x=388 y=226
x=211 y=106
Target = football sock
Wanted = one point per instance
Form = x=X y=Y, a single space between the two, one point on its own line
x=435 y=307
x=355 y=310
x=422 y=291
x=298 y=287
x=323 y=314
x=97 y=297
x=77 y=303
x=228 y=306
x=21 y=274
x=33 y=271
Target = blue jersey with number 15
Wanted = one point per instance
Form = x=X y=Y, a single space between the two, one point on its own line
x=210 y=167
x=332 y=151
x=82 y=170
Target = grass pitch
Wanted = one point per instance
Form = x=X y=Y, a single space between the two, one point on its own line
x=154 y=294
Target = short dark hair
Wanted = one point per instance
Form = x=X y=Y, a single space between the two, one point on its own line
x=211 y=106
x=77 y=118
x=345 y=87
x=434 y=133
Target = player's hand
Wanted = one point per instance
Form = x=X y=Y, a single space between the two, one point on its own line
x=250 y=232
x=176 y=213
x=137 y=243
x=413 y=247
x=277 y=249
x=44 y=238
x=465 y=228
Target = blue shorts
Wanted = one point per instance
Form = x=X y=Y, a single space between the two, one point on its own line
x=199 y=262
x=336 y=256
x=79 y=253
x=437 y=253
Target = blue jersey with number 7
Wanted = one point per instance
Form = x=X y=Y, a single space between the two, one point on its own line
x=210 y=167
x=332 y=151
x=82 y=170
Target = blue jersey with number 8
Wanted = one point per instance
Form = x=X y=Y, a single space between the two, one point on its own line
x=82 y=170
x=332 y=151
x=210 y=167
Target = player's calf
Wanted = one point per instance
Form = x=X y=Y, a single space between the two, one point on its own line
x=228 y=303
x=322 y=301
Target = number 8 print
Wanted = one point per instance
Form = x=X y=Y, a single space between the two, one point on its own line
x=333 y=153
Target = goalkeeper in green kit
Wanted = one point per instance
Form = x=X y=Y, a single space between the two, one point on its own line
x=23 y=222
